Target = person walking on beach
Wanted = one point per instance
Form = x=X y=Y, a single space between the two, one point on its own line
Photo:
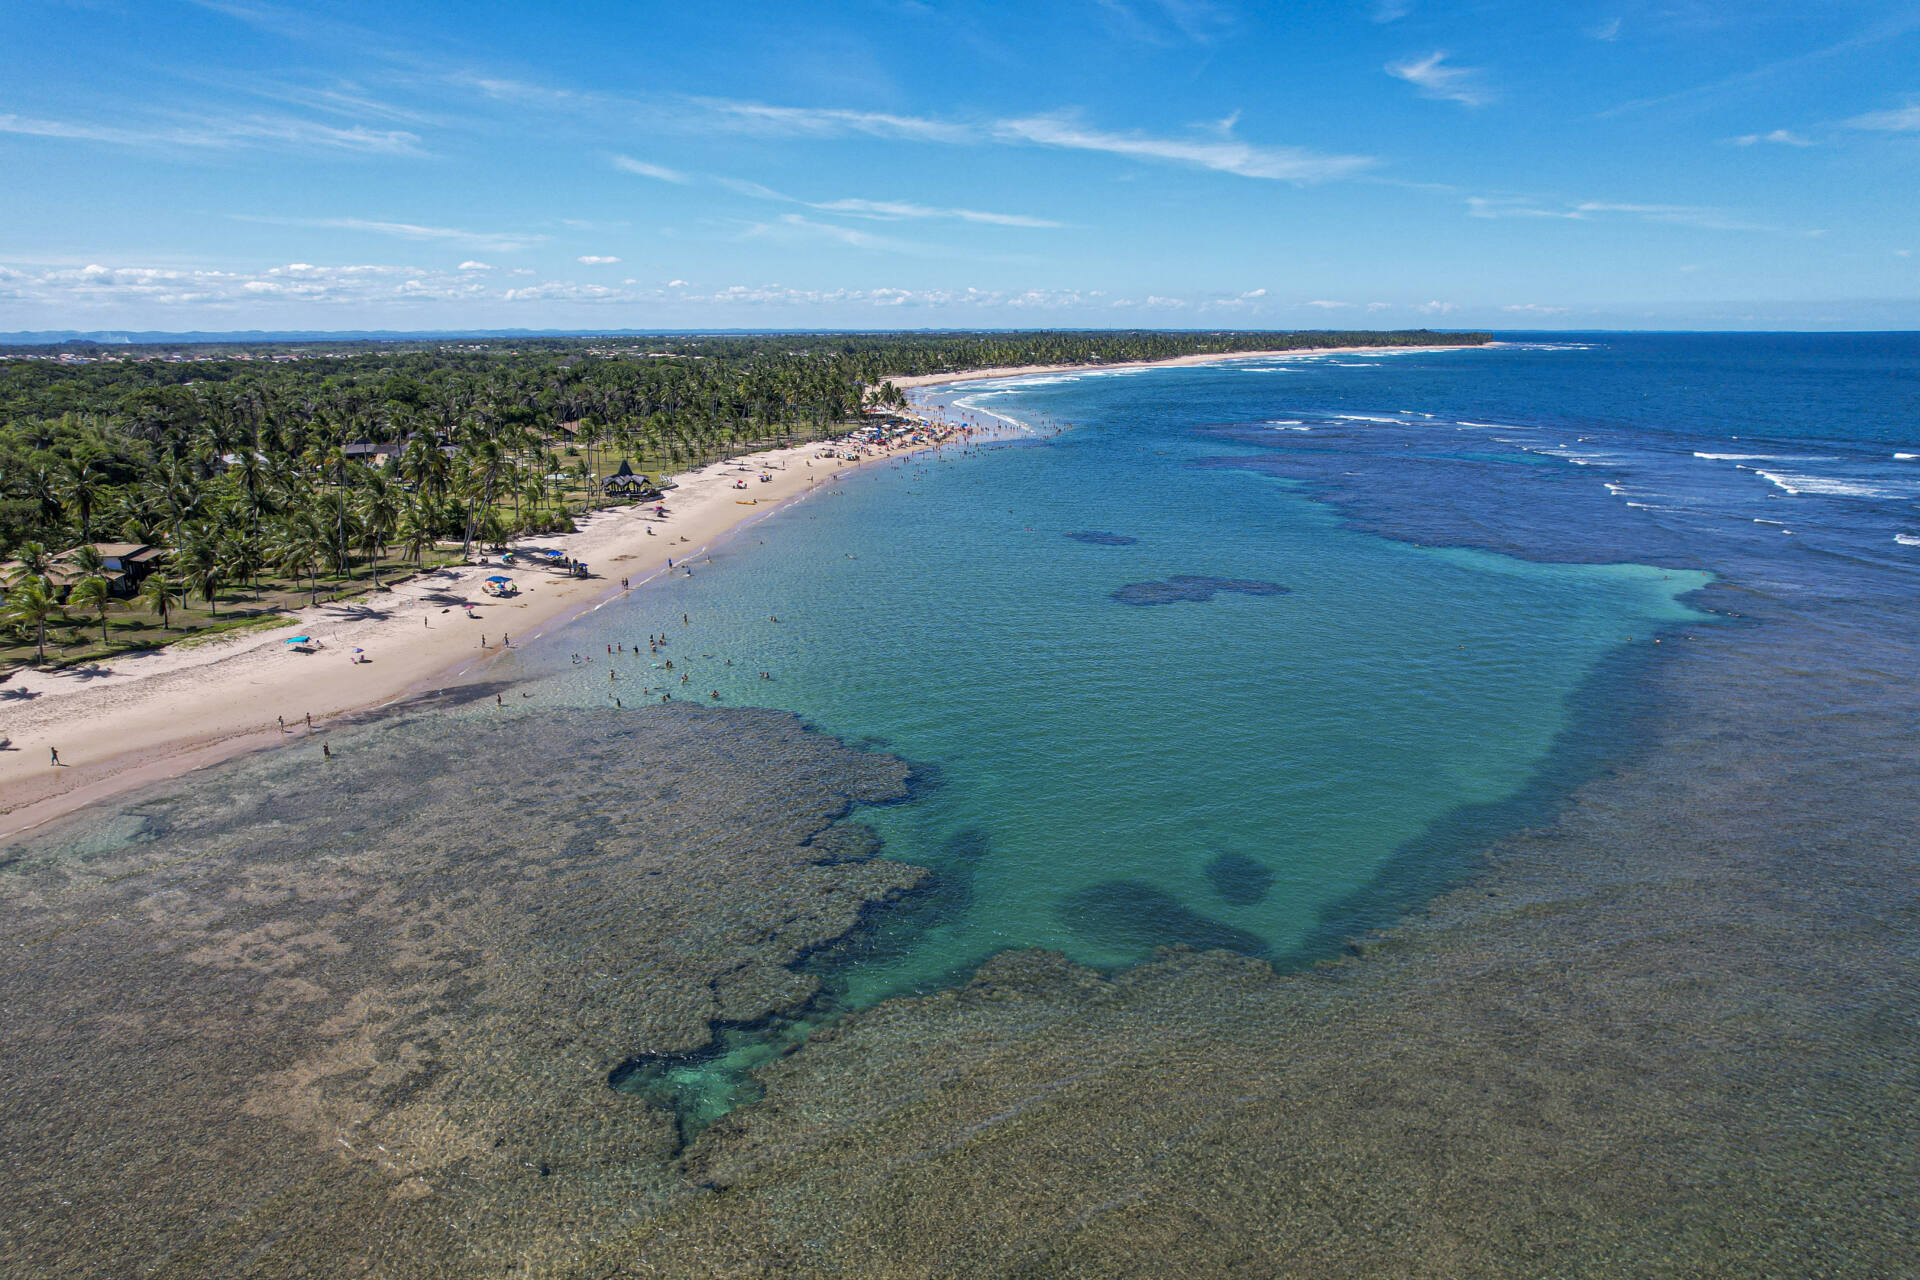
x=283 y=723
x=56 y=756
x=309 y=721
x=326 y=751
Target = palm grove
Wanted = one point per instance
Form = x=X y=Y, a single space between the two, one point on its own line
x=268 y=472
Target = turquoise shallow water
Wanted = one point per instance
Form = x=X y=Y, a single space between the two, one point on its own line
x=1106 y=777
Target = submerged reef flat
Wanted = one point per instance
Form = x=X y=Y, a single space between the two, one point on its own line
x=317 y=1017
x=1675 y=1033
x=1193 y=587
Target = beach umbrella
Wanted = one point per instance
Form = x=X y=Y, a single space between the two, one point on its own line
x=299 y=640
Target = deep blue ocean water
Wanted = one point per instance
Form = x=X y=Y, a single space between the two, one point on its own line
x=1446 y=574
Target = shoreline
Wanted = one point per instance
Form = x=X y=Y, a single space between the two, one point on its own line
x=167 y=712
x=909 y=382
x=152 y=716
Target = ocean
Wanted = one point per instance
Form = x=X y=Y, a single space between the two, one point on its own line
x=1365 y=810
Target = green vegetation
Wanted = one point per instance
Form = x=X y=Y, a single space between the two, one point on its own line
x=270 y=473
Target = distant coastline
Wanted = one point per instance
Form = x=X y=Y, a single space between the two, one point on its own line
x=911 y=381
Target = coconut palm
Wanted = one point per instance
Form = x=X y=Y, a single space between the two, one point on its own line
x=92 y=593
x=161 y=595
x=202 y=567
x=29 y=603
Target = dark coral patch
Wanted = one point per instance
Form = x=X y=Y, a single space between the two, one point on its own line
x=1129 y=915
x=1239 y=880
x=1099 y=539
x=1188 y=586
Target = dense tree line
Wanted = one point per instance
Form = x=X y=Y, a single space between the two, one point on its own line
x=241 y=465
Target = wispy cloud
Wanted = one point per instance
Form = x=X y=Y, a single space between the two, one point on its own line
x=1218 y=151
x=1890 y=29
x=798 y=227
x=498 y=242
x=1385 y=11
x=596 y=260
x=1285 y=164
x=1534 y=309
x=893 y=210
x=1328 y=304
x=1701 y=216
x=223 y=134
x=853 y=206
x=472 y=265
x=755 y=117
x=1435 y=79
x=627 y=164
x=1157 y=21
x=1894 y=120
x=1608 y=30
x=1781 y=137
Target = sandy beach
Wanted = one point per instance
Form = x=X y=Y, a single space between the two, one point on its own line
x=145 y=717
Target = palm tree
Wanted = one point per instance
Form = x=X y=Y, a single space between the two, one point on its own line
x=29 y=602
x=204 y=567
x=379 y=515
x=298 y=545
x=161 y=596
x=81 y=481
x=416 y=526
x=92 y=593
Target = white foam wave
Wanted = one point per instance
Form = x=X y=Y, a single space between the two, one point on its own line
x=1765 y=457
x=1366 y=417
x=1906 y=457
x=1825 y=486
x=1907 y=539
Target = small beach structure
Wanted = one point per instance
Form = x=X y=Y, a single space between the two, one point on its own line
x=304 y=644
x=501 y=586
x=628 y=483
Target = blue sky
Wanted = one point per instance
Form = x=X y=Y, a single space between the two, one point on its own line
x=228 y=164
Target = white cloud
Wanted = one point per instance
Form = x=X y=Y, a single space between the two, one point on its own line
x=755 y=117
x=794 y=226
x=1895 y=120
x=1783 y=137
x=1903 y=253
x=628 y=164
x=99 y=286
x=1326 y=304
x=677 y=284
x=890 y=210
x=1254 y=293
x=498 y=242
x=1435 y=79
x=596 y=259
x=222 y=133
x=1534 y=309
x=471 y=265
x=1379 y=306
x=1286 y=164
x=1703 y=217
x=1608 y=30
x=1385 y=11
x=1435 y=308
